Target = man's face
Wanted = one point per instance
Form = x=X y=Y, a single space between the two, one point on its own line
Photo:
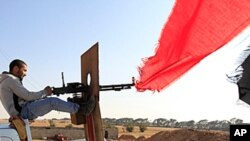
x=21 y=72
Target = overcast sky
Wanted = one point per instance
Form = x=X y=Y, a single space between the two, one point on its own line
x=50 y=35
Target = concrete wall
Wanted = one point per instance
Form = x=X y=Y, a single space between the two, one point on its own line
x=70 y=133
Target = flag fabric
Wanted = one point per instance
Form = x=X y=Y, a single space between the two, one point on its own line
x=194 y=30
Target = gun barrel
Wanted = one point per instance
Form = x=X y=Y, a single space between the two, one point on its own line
x=115 y=87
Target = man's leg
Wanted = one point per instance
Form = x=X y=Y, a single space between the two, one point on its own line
x=41 y=107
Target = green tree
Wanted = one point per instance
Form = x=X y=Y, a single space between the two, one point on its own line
x=142 y=127
x=129 y=127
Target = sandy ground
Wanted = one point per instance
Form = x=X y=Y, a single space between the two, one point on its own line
x=136 y=132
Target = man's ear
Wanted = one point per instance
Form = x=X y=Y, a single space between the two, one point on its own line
x=15 y=69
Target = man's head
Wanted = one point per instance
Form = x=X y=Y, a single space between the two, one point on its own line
x=18 y=68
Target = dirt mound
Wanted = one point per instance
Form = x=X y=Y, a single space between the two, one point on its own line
x=141 y=138
x=190 y=135
x=127 y=138
x=131 y=138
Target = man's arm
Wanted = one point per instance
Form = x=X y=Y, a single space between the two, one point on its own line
x=17 y=88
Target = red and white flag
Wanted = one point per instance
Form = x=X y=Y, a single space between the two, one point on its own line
x=194 y=30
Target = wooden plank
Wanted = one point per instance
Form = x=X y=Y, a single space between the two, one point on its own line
x=90 y=76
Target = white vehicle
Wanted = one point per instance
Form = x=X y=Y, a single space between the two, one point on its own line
x=8 y=133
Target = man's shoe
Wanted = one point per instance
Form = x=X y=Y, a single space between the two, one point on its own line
x=88 y=107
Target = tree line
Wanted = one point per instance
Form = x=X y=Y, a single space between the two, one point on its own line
x=173 y=123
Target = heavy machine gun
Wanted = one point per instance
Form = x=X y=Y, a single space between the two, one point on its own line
x=76 y=87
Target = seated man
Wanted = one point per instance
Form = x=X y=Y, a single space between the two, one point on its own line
x=18 y=101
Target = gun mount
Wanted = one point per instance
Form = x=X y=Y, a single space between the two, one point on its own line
x=89 y=86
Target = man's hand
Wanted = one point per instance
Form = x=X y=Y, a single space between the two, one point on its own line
x=48 y=89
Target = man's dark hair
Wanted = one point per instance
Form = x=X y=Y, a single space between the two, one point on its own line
x=16 y=62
